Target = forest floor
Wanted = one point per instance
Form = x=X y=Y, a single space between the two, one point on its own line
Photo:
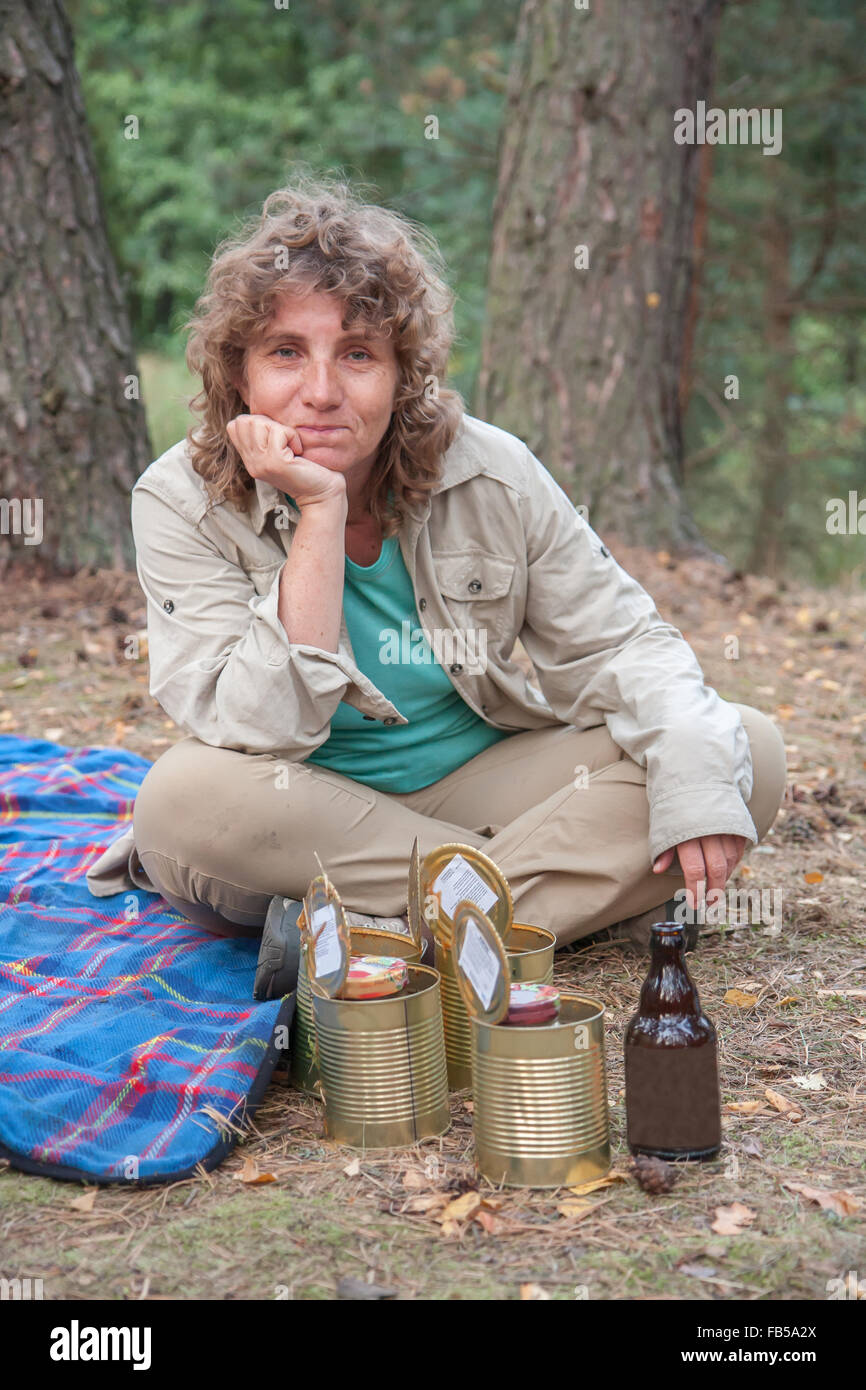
x=289 y=1214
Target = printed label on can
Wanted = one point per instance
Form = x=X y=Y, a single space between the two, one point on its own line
x=327 y=947
x=479 y=964
x=672 y=1097
x=458 y=880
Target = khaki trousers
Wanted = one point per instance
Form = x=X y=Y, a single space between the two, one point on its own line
x=220 y=832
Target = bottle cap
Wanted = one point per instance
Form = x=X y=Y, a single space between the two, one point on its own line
x=374 y=977
x=667 y=931
x=532 y=1003
x=455 y=872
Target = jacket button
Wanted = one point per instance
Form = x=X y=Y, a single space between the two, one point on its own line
x=168 y=606
x=455 y=668
x=475 y=586
x=422 y=604
x=389 y=719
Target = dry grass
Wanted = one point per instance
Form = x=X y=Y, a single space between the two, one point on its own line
x=309 y=1223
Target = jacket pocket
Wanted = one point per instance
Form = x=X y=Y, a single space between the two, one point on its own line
x=472 y=576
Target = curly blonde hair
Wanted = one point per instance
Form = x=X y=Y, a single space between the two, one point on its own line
x=317 y=234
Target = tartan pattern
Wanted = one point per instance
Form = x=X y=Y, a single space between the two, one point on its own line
x=125 y=1032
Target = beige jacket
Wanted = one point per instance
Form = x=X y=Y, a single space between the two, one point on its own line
x=497 y=549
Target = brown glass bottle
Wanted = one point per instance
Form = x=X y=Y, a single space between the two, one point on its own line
x=671 y=1067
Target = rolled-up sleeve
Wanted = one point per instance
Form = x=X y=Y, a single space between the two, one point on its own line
x=601 y=651
x=221 y=664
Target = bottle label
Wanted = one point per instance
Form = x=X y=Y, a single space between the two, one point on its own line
x=672 y=1097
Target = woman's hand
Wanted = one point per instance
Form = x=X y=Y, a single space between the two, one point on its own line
x=711 y=859
x=271 y=451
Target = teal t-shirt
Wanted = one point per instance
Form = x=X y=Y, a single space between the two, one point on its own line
x=443 y=732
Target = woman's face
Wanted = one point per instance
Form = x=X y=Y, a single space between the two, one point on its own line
x=335 y=386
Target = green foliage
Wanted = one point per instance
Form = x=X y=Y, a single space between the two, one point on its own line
x=793 y=219
x=230 y=94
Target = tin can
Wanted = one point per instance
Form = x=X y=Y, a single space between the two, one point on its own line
x=541 y=1117
x=366 y=941
x=530 y=957
x=382 y=1065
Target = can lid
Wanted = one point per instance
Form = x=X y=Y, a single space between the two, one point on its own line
x=481 y=964
x=414 y=913
x=326 y=937
x=454 y=872
x=375 y=977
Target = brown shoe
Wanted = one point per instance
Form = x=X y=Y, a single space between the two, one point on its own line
x=635 y=931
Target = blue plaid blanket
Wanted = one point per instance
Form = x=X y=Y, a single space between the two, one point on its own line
x=127 y=1036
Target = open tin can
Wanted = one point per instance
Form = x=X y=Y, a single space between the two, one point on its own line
x=530 y=960
x=541 y=1117
x=363 y=941
x=382 y=1065
x=381 y=1060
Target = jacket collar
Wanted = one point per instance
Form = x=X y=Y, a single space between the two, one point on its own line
x=461 y=461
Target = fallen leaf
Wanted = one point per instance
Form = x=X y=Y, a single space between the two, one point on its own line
x=785 y=1107
x=788 y=1000
x=353 y=1169
x=84 y=1202
x=845 y=993
x=413 y=1181
x=533 y=1291
x=841 y=1202
x=450 y=1228
x=462 y=1208
x=740 y=999
x=583 y=1188
x=750 y=1145
x=493 y=1225
x=815 y=1081
x=250 y=1174
x=493 y=1203
x=814 y=877
x=427 y=1201
x=574 y=1210
x=745 y=1107
x=732 y=1220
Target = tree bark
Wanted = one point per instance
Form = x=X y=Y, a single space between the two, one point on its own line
x=772 y=453
x=586 y=364
x=68 y=434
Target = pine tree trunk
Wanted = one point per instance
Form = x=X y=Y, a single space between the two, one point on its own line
x=69 y=436
x=586 y=364
x=772 y=455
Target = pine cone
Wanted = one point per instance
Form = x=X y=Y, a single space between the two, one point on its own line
x=653 y=1174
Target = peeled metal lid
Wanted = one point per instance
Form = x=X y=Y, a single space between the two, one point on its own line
x=375 y=977
x=481 y=964
x=455 y=872
x=326 y=937
x=415 y=915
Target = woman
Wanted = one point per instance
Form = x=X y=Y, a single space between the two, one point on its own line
x=337 y=563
